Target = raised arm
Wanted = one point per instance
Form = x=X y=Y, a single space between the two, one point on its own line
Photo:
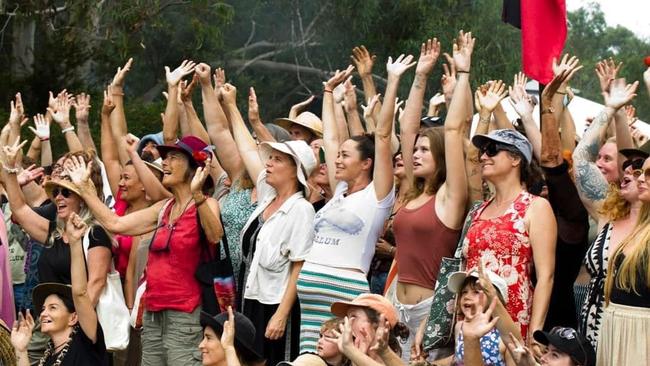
x=331 y=137
x=410 y=121
x=75 y=229
x=524 y=106
x=454 y=191
x=195 y=126
x=261 y=131
x=297 y=108
x=591 y=184
x=351 y=109
x=364 y=61
x=62 y=117
x=152 y=185
x=383 y=171
x=109 y=147
x=118 y=118
x=34 y=225
x=245 y=142
x=207 y=207
x=81 y=106
x=170 y=128
x=42 y=132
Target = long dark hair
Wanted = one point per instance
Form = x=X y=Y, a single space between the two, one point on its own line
x=366 y=148
x=400 y=330
x=436 y=136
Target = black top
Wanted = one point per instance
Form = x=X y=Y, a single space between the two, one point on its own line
x=623 y=297
x=54 y=263
x=83 y=352
x=46 y=210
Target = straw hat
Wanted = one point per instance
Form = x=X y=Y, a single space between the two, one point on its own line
x=305 y=119
x=64 y=183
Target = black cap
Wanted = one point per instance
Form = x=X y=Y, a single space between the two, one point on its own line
x=569 y=341
x=642 y=151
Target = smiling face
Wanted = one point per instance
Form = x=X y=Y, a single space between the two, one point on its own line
x=607 y=162
x=212 y=352
x=629 y=188
x=501 y=164
x=130 y=187
x=55 y=316
x=554 y=357
x=423 y=163
x=643 y=183
x=470 y=297
x=175 y=169
x=299 y=132
x=280 y=169
x=349 y=164
x=65 y=206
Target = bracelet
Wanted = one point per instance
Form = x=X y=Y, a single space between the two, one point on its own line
x=559 y=92
x=13 y=170
x=44 y=139
x=462 y=72
x=327 y=91
x=67 y=129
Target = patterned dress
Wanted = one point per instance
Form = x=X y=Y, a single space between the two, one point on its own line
x=489 y=349
x=596 y=263
x=236 y=207
x=504 y=246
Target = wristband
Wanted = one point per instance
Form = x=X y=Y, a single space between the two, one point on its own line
x=67 y=129
x=44 y=139
x=14 y=170
x=327 y=91
x=462 y=72
x=559 y=92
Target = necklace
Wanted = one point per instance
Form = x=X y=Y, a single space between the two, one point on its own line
x=50 y=350
x=180 y=213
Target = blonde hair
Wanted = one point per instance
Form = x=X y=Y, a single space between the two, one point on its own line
x=634 y=262
x=614 y=206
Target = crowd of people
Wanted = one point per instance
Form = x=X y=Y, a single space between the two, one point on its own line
x=369 y=235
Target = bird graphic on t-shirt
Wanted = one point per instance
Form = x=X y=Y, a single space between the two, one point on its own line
x=341 y=219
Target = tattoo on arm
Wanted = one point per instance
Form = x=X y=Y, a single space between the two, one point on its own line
x=587 y=149
x=590 y=182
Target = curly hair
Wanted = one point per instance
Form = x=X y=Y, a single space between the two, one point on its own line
x=615 y=206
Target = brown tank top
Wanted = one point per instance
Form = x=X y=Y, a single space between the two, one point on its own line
x=422 y=241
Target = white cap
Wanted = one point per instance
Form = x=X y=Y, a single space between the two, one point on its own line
x=457 y=279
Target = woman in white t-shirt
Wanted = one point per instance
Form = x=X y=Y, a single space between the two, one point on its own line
x=276 y=237
x=346 y=229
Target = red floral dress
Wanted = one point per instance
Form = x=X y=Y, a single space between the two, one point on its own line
x=504 y=246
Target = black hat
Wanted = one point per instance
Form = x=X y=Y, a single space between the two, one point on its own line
x=642 y=151
x=42 y=291
x=569 y=341
x=244 y=332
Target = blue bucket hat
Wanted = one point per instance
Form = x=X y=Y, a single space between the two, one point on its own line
x=156 y=138
x=507 y=137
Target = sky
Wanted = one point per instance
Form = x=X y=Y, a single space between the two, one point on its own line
x=632 y=14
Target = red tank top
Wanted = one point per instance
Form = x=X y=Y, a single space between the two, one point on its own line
x=422 y=241
x=171 y=284
x=122 y=251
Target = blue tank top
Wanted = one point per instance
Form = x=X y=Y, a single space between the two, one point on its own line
x=489 y=349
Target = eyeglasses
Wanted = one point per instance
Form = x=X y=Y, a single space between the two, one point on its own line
x=570 y=334
x=634 y=163
x=491 y=149
x=63 y=191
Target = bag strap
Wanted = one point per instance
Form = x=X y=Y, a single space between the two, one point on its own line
x=468 y=222
x=85 y=245
x=203 y=239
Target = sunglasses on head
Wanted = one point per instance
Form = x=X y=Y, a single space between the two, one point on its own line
x=634 y=163
x=63 y=191
x=491 y=149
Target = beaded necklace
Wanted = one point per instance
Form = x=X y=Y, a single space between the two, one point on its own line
x=50 y=350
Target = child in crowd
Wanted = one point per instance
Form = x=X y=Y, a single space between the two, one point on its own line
x=328 y=351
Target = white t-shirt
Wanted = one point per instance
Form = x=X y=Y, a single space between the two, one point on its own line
x=346 y=229
x=285 y=237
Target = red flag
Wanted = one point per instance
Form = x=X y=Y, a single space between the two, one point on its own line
x=543 y=33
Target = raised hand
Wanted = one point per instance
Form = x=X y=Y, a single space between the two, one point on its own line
x=429 y=53
x=75 y=228
x=108 y=105
x=493 y=96
x=337 y=78
x=42 y=130
x=203 y=71
x=219 y=78
x=120 y=75
x=132 y=143
x=369 y=111
x=78 y=171
x=448 y=80
x=81 y=106
x=61 y=115
x=520 y=353
x=520 y=79
x=480 y=323
x=21 y=333
x=363 y=60
x=343 y=337
x=484 y=281
x=462 y=52
x=606 y=71
x=30 y=174
x=228 y=334
x=560 y=81
x=437 y=100
x=521 y=101
x=630 y=112
x=17 y=113
x=253 y=107
x=380 y=343
x=619 y=93
x=399 y=66
x=228 y=93
x=186 y=89
x=201 y=174
x=174 y=77
x=299 y=107
x=11 y=152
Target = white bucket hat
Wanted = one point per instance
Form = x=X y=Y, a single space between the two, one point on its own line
x=301 y=153
x=457 y=279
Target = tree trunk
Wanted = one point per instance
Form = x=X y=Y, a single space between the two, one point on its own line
x=23 y=47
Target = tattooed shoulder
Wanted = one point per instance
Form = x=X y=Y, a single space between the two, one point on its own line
x=590 y=181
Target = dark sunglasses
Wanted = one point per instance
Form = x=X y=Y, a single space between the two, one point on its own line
x=570 y=334
x=491 y=149
x=634 y=163
x=63 y=191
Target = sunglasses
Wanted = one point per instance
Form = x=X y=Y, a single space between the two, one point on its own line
x=63 y=191
x=570 y=334
x=639 y=172
x=634 y=163
x=491 y=149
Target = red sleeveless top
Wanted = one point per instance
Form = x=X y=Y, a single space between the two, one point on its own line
x=422 y=241
x=171 y=284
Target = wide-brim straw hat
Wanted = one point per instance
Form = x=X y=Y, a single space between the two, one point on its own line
x=305 y=119
x=63 y=183
x=301 y=153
